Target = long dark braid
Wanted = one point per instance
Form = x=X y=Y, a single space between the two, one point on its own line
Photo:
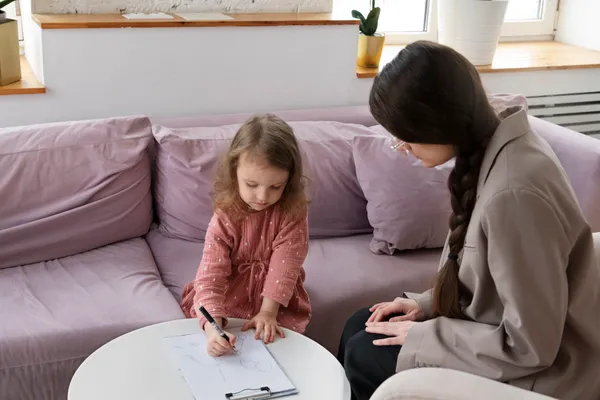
x=462 y=184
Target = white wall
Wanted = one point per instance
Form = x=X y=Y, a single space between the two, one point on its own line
x=582 y=18
x=115 y=6
x=93 y=73
x=32 y=35
x=172 y=72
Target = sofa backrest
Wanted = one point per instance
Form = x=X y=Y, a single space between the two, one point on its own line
x=72 y=187
x=187 y=160
x=359 y=115
x=579 y=155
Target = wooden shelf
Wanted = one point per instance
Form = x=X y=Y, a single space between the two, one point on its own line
x=29 y=84
x=83 y=21
x=517 y=57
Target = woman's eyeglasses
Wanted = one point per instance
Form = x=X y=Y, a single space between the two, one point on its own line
x=399 y=146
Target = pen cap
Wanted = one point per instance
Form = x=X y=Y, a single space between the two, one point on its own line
x=206 y=314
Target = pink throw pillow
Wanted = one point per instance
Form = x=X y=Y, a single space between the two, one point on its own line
x=187 y=160
x=408 y=205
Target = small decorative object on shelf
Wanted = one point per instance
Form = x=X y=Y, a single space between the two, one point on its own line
x=370 y=42
x=10 y=59
x=471 y=27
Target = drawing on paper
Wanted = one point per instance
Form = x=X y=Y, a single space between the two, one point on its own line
x=250 y=362
x=250 y=357
x=192 y=352
x=252 y=366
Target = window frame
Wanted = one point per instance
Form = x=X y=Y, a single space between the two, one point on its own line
x=542 y=29
x=431 y=20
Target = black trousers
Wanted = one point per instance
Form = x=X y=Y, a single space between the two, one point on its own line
x=367 y=366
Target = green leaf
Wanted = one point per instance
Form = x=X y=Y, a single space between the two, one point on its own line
x=358 y=15
x=5 y=3
x=372 y=21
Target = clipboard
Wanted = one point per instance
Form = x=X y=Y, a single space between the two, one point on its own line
x=262 y=393
x=252 y=373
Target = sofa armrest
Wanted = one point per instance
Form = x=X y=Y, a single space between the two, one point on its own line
x=446 y=384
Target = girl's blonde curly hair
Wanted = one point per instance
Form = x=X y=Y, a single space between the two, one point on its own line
x=267 y=136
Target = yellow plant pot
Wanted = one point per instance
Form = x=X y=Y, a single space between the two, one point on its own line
x=369 y=50
x=10 y=60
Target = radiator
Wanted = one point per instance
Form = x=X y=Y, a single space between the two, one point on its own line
x=577 y=111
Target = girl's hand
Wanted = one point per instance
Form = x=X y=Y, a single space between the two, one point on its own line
x=410 y=309
x=216 y=345
x=397 y=330
x=265 y=322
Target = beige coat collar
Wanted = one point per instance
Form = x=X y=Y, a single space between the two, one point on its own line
x=514 y=125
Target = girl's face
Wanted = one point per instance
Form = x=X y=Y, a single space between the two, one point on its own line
x=260 y=184
x=431 y=155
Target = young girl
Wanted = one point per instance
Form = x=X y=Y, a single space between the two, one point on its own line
x=257 y=239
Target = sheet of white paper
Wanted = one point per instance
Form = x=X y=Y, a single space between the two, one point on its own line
x=252 y=366
x=148 y=16
x=204 y=16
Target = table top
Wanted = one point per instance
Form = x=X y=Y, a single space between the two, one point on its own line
x=137 y=366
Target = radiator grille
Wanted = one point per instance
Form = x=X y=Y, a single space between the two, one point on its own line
x=577 y=111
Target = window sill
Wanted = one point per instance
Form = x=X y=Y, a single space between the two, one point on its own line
x=516 y=57
x=82 y=21
x=29 y=84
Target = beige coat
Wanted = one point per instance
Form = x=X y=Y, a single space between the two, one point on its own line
x=532 y=278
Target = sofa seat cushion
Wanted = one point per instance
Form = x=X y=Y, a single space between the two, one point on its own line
x=54 y=314
x=342 y=276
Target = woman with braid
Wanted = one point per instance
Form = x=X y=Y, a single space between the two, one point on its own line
x=517 y=295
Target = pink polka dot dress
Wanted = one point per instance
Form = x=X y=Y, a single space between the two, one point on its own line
x=260 y=256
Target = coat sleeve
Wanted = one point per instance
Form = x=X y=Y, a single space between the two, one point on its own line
x=424 y=300
x=290 y=248
x=527 y=253
x=211 y=279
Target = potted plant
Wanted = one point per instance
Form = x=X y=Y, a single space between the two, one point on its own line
x=370 y=42
x=472 y=27
x=10 y=59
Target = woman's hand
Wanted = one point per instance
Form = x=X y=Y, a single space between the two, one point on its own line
x=265 y=322
x=398 y=331
x=216 y=345
x=410 y=309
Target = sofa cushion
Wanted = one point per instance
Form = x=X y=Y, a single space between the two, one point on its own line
x=177 y=259
x=54 y=314
x=579 y=156
x=342 y=276
x=73 y=186
x=408 y=205
x=187 y=159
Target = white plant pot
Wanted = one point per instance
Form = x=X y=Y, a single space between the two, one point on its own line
x=471 y=27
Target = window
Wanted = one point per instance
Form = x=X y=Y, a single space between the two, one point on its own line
x=530 y=18
x=404 y=21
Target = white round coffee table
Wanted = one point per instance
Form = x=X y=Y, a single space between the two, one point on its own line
x=137 y=366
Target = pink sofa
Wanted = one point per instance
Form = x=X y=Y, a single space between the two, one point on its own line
x=102 y=221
